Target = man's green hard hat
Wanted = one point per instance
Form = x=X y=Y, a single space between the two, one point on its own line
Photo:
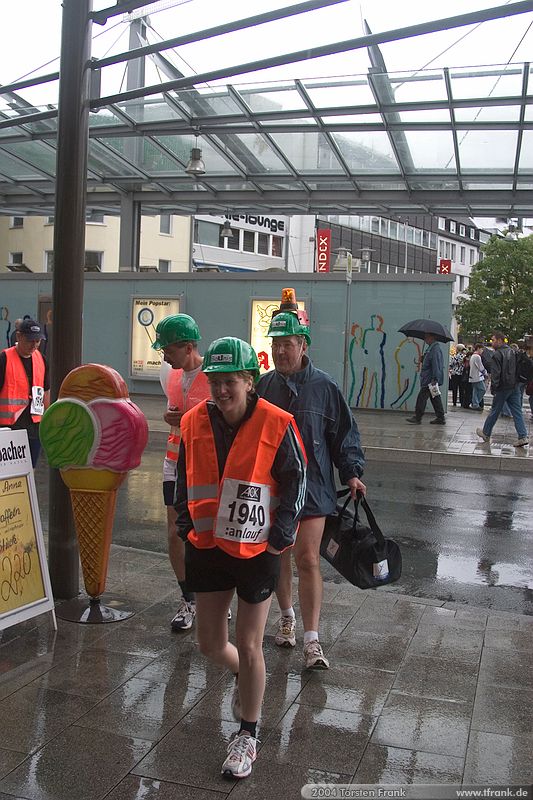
x=230 y=354
x=286 y=323
x=176 y=328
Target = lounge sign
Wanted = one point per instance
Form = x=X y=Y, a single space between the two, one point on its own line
x=25 y=589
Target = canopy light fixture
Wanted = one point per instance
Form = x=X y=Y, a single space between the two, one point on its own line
x=226 y=232
x=196 y=165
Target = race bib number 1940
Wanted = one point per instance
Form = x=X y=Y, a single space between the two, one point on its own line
x=243 y=512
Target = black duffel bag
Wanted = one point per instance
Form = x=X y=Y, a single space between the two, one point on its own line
x=360 y=553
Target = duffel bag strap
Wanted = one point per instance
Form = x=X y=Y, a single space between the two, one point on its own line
x=361 y=499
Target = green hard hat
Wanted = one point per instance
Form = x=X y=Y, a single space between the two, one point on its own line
x=176 y=328
x=286 y=323
x=230 y=354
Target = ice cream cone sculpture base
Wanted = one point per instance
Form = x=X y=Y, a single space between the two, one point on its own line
x=94 y=512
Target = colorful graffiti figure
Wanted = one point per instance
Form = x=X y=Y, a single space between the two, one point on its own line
x=408 y=359
x=371 y=341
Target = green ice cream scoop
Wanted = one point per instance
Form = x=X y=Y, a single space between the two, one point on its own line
x=67 y=432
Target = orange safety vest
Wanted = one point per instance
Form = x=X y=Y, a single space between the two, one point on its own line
x=198 y=391
x=15 y=394
x=247 y=469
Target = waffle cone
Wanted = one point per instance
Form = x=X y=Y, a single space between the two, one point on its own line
x=94 y=512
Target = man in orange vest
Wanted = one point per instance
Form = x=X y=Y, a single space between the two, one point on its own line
x=25 y=385
x=185 y=385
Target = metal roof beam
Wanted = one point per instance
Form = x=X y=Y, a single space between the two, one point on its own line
x=460 y=20
x=525 y=79
x=210 y=33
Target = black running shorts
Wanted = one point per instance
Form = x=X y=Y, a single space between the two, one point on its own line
x=213 y=570
x=169 y=492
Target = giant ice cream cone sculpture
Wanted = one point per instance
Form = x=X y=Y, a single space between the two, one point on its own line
x=94 y=434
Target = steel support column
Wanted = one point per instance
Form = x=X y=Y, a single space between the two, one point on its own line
x=69 y=259
x=130 y=234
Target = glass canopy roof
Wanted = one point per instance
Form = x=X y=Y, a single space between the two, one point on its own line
x=451 y=141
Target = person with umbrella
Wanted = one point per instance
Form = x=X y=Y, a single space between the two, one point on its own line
x=432 y=372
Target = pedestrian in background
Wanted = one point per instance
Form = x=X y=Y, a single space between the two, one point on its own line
x=13 y=337
x=431 y=378
x=505 y=389
x=185 y=385
x=456 y=374
x=25 y=385
x=477 y=377
x=466 y=388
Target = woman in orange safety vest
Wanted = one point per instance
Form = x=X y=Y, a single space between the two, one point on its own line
x=240 y=492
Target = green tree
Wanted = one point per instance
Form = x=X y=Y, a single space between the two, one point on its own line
x=500 y=292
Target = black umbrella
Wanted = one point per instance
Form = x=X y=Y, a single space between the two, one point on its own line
x=418 y=328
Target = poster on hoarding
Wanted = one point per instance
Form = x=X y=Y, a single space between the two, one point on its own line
x=261 y=316
x=147 y=312
x=323 y=249
x=25 y=589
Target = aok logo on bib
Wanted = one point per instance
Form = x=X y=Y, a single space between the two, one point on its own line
x=247 y=491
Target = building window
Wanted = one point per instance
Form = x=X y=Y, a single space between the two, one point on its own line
x=462 y=251
x=374 y=225
x=95 y=217
x=17 y=222
x=50 y=220
x=165 y=223
x=206 y=233
x=418 y=236
x=441 y=224
x=277 y=246
x=473 y=233
x=93 y=260
x=425 y=238
x=232 y=242
x=454 y=252
x=49 y=261
x=472 y=256
x=441 y=249
x=393 y=228
x=409 y=234
x=384 y=227
x=163 y=265
x=461 y=283
x=453 y=226
x=433 y=241
x=462 y=230
x=16 y=258
x=262 y=244
x=248 y=242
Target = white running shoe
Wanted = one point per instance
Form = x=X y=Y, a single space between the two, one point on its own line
x=242 y=752
x=236 y=703
x=314 y=657
x=286 y=635
x=184 y=617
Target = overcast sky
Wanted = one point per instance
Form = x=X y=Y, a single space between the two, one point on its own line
x=29 y=45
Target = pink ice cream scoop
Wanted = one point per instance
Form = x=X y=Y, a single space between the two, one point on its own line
x=123 y=434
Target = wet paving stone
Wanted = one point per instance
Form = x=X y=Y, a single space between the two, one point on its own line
x=345 y=688
x=9 y=759
x=434 y=678
x=382 y=765
x=504 y=710
x=495 y=758
x=134 y=788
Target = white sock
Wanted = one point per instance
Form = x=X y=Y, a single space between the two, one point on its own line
x=310 y=636
x=287 y=612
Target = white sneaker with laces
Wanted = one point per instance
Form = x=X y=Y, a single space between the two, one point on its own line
x=236 y=703
x=522 y=442
x=242 y=752
x=185 y=615
x=286 y=635
x=314 y=657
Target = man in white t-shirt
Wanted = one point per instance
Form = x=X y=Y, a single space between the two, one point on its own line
x=185 y=385
x=476 y=378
